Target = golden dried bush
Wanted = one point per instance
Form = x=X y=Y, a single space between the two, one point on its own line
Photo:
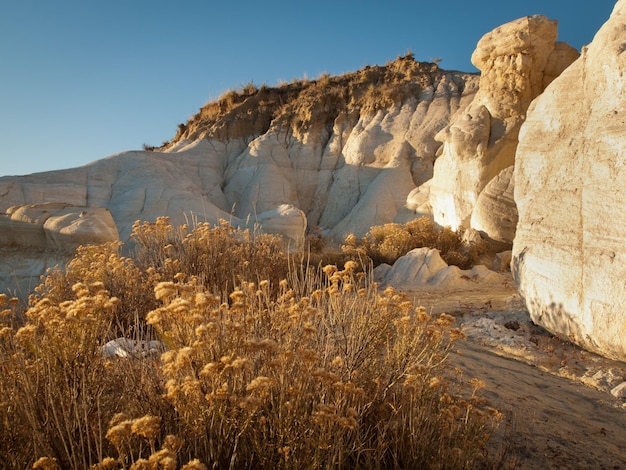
x=58 y=390
x=386 y=243
x=342 y=377
x=220 y=256
x=313 y=369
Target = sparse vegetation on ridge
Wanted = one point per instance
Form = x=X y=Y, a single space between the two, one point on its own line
x=315 y=369
x=306 y=105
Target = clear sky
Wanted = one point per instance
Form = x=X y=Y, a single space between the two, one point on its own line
x=84 y=79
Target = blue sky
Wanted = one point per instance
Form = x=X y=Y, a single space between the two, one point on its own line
x=84 y=79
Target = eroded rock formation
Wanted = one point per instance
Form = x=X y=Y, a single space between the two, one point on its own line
x=568 y=255
x=516 y=60
x=337 y=154
x=36 y=237
x=345 y=150
x=340 y=154
x=423 y=269
x=495 y=212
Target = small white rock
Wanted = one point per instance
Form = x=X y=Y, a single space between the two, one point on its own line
x=619 y=391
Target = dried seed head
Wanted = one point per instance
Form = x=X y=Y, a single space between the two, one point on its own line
x=350 y=265
x=120 y=433
x=261 y=382
x=194 y=464
x=164 y=290
x=173 y=443
x=46 y=463
x=329 y=269
x=337 y=362
x=148 y=426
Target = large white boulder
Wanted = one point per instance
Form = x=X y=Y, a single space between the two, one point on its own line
x=285 y=220
x=495 y=213
x=423 y=269
x=569 y=257
x=56 y=226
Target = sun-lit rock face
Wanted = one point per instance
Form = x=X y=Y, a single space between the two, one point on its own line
x=423 y=269
x=517 y=60
x=338 y=154
x=569 y=259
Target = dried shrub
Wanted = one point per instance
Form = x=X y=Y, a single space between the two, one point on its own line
x=317 y=370
x=310 y=105
x=58 y=392
x=386 y=243
x=220 y=256
x=342 y=377
x=119 y=276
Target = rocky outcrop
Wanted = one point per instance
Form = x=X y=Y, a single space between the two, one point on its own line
x=423 y=269
x=346 y=151
x=495 y=213
x=339 y=154
x=516 y=60
x=285 y=220
x=568 y=255
x=336 y=154
x=36 y=237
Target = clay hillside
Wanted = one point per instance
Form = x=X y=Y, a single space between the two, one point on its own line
x=527 y=154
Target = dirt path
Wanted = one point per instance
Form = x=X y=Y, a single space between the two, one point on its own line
x=556 y=397
x=552 y=421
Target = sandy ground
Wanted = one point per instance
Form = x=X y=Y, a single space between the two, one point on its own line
x=555 y=397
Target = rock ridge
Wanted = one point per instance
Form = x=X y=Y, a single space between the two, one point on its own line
x=336 y=155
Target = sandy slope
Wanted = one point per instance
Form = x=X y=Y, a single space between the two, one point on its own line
x=556 y=398
x=552 y=422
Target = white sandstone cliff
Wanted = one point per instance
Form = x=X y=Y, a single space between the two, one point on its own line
x=568 y=256
x=341 y=154
x=347 y=165
x=338 y=154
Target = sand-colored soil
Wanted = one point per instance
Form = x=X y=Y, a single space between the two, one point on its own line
x=559 y=412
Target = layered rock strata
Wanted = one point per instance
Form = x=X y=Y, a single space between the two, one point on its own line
x=568 y=255
x=495 y=212
x=337 y=154
x=346 y=151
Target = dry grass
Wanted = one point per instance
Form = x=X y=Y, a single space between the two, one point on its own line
x=58 y=392
x=386 y=243
x=316 y=370
x=308 y=105
x=219 y=256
